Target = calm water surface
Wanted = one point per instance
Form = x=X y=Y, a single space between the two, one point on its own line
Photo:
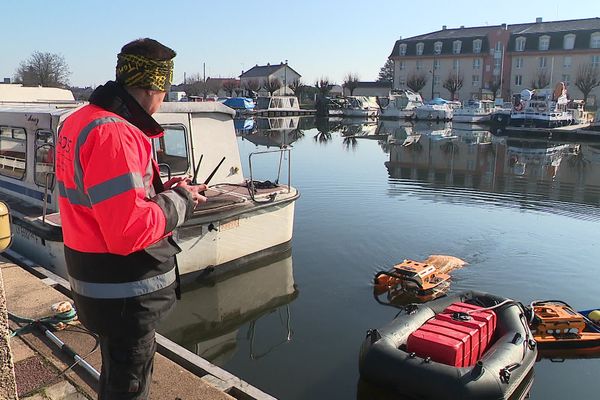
x=525 y=214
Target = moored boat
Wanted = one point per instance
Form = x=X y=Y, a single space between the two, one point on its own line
x=471 y=345
x=279 y=106
x=361 y=106
x=243 y=218
x=542 y=108
x=402 y=105
x=474 y=111
x=562 y=332
x=436 y=109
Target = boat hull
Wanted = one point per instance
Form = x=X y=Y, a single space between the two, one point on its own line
x=382 y=360
x=205 y=243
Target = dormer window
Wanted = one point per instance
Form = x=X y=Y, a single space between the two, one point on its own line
x=569 y=42
x=520 y=44
x=437 y=47
x=477 y=46
x=403 y=49
x=456 y=45
x=544 y=43
x=420 y=47
x=595 y=40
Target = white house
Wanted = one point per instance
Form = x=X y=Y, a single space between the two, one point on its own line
x=262 y=73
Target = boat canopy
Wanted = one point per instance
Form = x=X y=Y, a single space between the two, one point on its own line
x=438 y=101
x=240 y=103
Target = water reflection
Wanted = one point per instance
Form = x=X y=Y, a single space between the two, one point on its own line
x=271 y=132
x=210 y=314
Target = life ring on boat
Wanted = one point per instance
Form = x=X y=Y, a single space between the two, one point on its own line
x=541 y=107
x=519 y=106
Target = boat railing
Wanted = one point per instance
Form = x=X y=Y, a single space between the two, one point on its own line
x=281 y=152
x=12 y=162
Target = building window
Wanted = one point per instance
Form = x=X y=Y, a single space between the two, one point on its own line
x=518 y=80
x=455 y=64
x=420 y=47
x=172 y=150
x=402 y=80
x=403 y=49
x=401 y=65
x=437 y=47
x=475 y=80
x=477 y=63
x=567 y=62
x=456 y=46
x=519 y=62
x=569 y=42
x=595 y=40
x=419 y=64
x=498 y=47
x=436 y=64
x=544 y=42
x=566 y=78
x=477 y=46
x=13 y=152
x=595 y=61
x=520 y=44
x=543 y=62
x=436 y=80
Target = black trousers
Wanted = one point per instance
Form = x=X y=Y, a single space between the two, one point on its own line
x=127 y=363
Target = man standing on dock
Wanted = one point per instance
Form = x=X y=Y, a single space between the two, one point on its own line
x=117 y=216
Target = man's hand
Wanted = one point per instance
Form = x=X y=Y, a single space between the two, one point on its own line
x=194 y=190
x=174 y=181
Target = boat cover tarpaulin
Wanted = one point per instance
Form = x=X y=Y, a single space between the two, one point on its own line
x=240 y=103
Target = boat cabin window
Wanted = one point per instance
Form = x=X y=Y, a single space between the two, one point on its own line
x=172 y=149
x=13 y=152
x=44 y=159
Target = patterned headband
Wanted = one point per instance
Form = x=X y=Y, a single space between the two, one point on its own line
x=139 y=71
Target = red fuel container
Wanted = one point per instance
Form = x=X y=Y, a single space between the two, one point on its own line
x=488 y=318
x=471 y=334
x=441 y=344
x=458 y=342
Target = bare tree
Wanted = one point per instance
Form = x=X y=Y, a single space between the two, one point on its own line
x=212 y=86
x=494 y=86
x=194 y=85
x=453 y=83
x=230 y=86
x=253 y=86
x=322 y=86
x=541 y=80
x=386 y=73
x=272 y=85
x=351 y=82
x=416 y=81
x=588 y=77
x=43 y=69
x=297 y=87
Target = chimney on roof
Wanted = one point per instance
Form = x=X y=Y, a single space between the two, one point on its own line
x=503 y=26
x=6 y=80
x=444 y=27
x=400 y=38
x=462 y=27
x=538 y=20
x=268 y=64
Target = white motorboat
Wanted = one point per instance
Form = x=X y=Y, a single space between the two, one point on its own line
x=243 y=218
x=278 y=106
x=361 y=106
x=402 y=105
x=437 y=109
x=475 y=111
x=542 y=108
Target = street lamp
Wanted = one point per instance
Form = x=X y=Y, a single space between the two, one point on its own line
x=432 y=77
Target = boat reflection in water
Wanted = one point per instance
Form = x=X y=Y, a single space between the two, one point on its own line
x=539 y=170
x=275 y=132
x=210 y=313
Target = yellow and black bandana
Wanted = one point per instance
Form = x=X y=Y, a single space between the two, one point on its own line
x=139 y=71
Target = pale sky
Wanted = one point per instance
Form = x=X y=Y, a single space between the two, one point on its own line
x=319 y=38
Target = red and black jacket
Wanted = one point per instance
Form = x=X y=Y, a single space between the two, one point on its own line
x=116 y=216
